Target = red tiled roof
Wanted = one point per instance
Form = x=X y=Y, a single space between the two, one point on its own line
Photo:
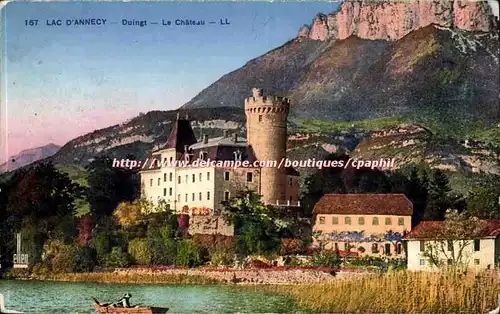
x=366 y=204
x=432 y=229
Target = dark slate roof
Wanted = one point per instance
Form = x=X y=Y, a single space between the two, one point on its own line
x=181 y=134
x=427 y=230
x=364 y=204
x=224 y=152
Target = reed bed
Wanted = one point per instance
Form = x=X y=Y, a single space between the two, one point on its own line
x=401 y=292
x=132 y=278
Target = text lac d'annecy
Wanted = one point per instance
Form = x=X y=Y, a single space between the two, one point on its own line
x=76 y=22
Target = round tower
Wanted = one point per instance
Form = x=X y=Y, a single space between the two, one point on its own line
x=266 y=133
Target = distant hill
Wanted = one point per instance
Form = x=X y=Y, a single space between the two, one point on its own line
x=29 y=156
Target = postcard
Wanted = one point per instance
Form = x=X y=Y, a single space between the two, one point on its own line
x=250 y=156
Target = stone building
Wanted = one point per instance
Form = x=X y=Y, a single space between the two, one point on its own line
x=204 y=173
x=367 y=224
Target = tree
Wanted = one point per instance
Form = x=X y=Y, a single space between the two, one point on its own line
x=323 y=181
x=452 y=237
x=108 y=186
x=439 y=199
x=484 y=199
x=257 y=226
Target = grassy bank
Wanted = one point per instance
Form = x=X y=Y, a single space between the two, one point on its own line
x=400 y=292
x=130 y=278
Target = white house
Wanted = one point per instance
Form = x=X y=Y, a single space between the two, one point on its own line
x=480 y=250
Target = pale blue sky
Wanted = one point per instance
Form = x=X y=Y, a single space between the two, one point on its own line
x=65 y=81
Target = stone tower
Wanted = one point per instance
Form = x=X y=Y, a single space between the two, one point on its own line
x=266 y=133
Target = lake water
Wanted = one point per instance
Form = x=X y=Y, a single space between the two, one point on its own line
x=63 y=297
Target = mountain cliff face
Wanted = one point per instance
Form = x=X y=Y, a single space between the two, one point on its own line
x=28 y=156
x=392 y=20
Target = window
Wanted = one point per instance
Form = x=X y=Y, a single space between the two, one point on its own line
x=194 y=177
x=321 y=220
x=186 y=198
x=422 y=246
x=164 y=177
x=388 y=221
x=422 y=262
x=375 y=221
x=401 y=221
x=186 y=179
x=249 y=177
x=164 y=191
x=208 y=176
x=170 y=177
x=200 y=176
x=179 y=179
x=450 y=245
x=477 y=245
x=178 y=197
x=170 y=192
x=159 y=181
x=361 y=220
x=260 y=118
x=387 y=249
x=374 y=248
x=171 y=159
x=164 y=160
x=399 y=248
x=202 y=155
x=150 y=182
x=192 y=197
x=450 y=261
x=347 y=220
x=347 y=247
x=335 y=220
x=290 y=181
x=226 y=195
x=476 y=262
x=208 y=195
x=199 y=196
x=226 y=175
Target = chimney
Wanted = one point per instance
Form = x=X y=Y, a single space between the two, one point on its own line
x=178 y=116
x=225 y=133
x=187 y=116
x=235 y=137
x=205 y=138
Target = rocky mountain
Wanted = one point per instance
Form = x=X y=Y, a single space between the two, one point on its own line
x=29 y=156
x=392 y=20
x=363 y=62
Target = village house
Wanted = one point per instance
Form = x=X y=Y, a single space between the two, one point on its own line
x=479 y=250
x=368 y=224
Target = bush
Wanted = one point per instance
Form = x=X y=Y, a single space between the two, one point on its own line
x=326 y=258
x=66 y=259
x=291 y=246
x=162 y=246
x=221 y=257
x=139 y=251
x=102 y=245
x=86 y=259
x=188 y=254
x=117 y=258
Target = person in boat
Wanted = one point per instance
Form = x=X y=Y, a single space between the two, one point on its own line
x=124 y=301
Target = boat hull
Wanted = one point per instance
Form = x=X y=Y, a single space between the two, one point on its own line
x=101 y=308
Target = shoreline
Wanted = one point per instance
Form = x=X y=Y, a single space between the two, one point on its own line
x=202 y=276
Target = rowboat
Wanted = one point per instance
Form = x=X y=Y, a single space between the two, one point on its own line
x=108 y=308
